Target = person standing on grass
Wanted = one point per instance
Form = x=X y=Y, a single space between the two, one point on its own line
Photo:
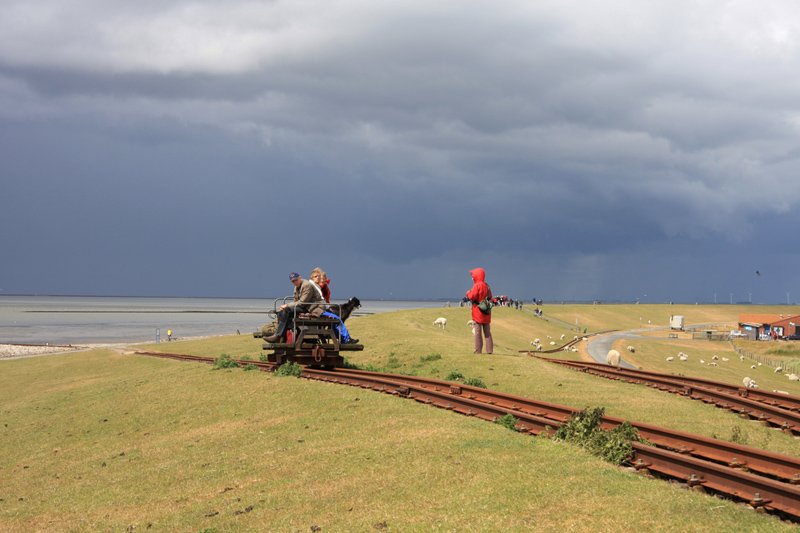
x=479 y=292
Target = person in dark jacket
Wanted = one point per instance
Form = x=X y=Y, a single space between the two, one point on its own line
x=479 y=292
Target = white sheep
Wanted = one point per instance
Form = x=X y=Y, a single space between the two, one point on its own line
x=725 y=359
x=753 y=367
x=793 y=377
x=631 y=349
x=715 y=357
x=741 y=358
x=683 y=357
x=612 y=358
x=712 y=363
x=441 y=322
x=778 y=370
x=552 y=343
x=702 y=361
x=537 y=340
x=670 y=358
x=749 y=383
x=562 y=336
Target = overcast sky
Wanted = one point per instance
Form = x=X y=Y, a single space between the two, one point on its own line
x=576 y=150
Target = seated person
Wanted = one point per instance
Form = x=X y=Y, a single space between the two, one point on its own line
x=321 y=282
x=307 y=299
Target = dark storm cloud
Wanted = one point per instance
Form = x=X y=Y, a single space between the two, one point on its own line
x=191 y=148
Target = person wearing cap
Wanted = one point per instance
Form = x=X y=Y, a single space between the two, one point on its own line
x=307 y=299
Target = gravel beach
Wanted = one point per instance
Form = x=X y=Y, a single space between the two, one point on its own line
x=13 y=351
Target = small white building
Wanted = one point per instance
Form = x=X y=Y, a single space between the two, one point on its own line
x=676 y=322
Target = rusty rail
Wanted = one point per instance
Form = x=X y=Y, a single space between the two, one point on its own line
x=776 y=410
x=721 y=466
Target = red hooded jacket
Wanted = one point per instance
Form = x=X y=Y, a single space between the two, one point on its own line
x=477 y=293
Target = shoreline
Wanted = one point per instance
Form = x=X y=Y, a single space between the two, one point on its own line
x=9 y=351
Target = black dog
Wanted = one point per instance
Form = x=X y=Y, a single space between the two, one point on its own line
x=343 y=311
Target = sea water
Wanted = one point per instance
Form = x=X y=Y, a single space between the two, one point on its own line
x=97 y=319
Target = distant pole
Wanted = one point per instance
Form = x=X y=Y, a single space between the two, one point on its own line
x=715 y=298
x=750 y=297
x=731 y=298
x=158 y=335
x=787 y=298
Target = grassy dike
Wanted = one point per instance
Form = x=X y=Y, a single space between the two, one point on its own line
x=107 y=441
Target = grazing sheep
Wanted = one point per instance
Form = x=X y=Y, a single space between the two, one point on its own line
x=712 y=363
x=793 y=377
x=683 y=357
x=702 y=362
x=612 y=358
x=715 y=357
x=537 y=340
x=778 y=370
x=759 y=364
x=750 y=383
x=552 y=343
x=670 y=358
x=562 y=336
x=631 y=349
x=741 y=358
x=725 y=359
x=441 y=322
x=753 y=367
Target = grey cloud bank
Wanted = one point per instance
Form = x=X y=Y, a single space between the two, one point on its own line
x=194 y=148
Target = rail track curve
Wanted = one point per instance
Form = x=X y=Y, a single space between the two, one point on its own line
x=765 y=480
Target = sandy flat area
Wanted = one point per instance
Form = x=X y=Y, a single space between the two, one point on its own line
x=14 y=351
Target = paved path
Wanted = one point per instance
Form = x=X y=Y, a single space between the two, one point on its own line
x=600 y=345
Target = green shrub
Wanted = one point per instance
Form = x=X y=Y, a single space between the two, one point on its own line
x=263 y=357
x=509 y=421
x=475 y=382
x=455 y=375
x=289 y=368
x=224 y=361
x=584 y=430
x=430 y=357
x=250 y=366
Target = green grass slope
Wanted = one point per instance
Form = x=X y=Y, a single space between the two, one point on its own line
x=104 y=441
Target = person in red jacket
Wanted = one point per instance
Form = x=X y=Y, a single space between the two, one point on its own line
x=480 y=291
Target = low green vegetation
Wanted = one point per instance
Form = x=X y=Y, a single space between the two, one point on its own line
x=104 y=441
x=225 y=361
x=508 y=421
x=584 y=429
x=289 y=368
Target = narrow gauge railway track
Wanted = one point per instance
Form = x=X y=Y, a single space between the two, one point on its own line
x=763 y=479
x=783 y=401
x=777 y=410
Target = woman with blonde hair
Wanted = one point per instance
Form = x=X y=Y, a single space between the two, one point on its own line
x=319 y=277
